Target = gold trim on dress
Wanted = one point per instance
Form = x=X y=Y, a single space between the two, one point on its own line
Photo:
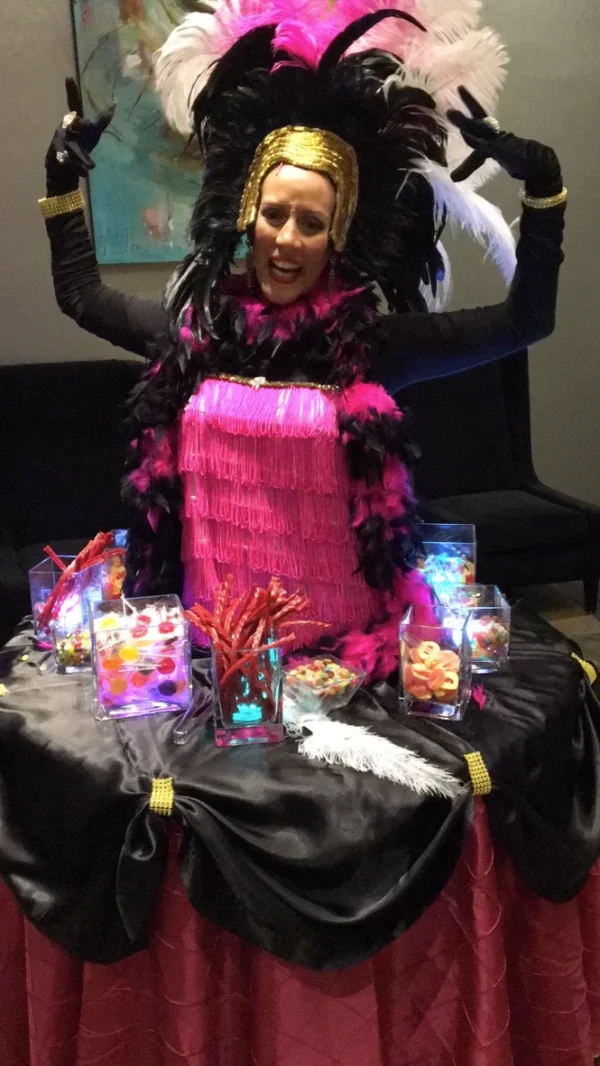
x=264 y=383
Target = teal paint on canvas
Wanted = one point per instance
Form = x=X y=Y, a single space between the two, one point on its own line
x=146 y=181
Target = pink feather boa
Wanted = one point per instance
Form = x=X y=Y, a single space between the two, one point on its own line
x=158 y=458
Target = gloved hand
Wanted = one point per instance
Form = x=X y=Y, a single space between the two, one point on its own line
x=68 y=158
x=528 y=161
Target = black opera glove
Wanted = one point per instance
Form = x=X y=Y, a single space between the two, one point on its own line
x=69 y=156
x=530 y=162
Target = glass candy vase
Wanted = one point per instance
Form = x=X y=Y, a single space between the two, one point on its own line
x=488 y=626
x=248 y=696
x=435 y=664
x=450 y=553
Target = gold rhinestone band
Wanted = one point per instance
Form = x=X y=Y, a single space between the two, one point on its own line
x=262 y=383
x=162 y=797
x=542 y=203
x=51 y=206
x=310 y=149
x=480 y=778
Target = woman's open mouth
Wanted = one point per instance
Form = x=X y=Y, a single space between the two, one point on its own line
x=284 y=273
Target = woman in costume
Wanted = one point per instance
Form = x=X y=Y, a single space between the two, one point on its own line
x=265 y=439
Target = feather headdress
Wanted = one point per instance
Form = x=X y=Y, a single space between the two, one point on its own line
x=381 y=75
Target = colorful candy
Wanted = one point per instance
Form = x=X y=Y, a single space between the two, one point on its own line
x=453 y=567
x=431 y=673
x=73 y=652
x=325 y=681
x=489 y=638
x=141 y=657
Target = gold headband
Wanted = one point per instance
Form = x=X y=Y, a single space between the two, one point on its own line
x=310 y=149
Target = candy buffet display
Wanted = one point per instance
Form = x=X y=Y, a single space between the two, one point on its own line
x=488 y=623
x=435 y=664
x=141 y=657
x=247 y=635
x=450 y=553
x=321 y=684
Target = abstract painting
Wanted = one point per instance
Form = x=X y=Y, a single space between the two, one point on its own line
x=146 y=177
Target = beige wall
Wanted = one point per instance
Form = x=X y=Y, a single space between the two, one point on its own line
x=552 y=94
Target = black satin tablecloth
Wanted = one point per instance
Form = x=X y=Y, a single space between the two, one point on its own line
x=320 y=866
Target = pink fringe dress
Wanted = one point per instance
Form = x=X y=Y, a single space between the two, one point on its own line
x=266 y=492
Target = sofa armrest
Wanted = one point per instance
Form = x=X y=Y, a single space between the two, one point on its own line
x=562 y=499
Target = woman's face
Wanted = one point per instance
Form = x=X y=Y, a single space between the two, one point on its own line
x=291 y=236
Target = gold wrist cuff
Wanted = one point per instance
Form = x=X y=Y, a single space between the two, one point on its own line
x=541 y=203
x=51 y=206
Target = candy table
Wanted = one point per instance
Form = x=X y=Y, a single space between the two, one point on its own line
x=289 y=914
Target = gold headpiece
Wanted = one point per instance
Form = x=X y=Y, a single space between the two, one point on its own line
x=311 y=149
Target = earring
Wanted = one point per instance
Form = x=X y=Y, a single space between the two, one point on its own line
x=332 y=277
x=250 y=271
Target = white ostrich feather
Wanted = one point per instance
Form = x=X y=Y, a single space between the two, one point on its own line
x=476 y=60
x=182 y=65
x=473 y=213
x=357 y=748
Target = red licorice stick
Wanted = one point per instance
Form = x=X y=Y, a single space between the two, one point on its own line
x=230 y=614
x=206 y=623
x=261 y=629
x=236 y=610
x=294 y=605
x=250 y=654
x=94 y=552
x=222 y=596
x=249 y=616
x=242 y=612
x=55 y=558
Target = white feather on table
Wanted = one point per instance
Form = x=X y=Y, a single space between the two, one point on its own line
x=357 y=748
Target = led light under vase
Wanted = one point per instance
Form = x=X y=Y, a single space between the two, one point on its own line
x=450 y=553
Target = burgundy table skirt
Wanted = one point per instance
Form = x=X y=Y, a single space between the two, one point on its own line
x=490 y=976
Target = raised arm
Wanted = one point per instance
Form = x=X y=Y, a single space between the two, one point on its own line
x=424 y=346
x=129 y=322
